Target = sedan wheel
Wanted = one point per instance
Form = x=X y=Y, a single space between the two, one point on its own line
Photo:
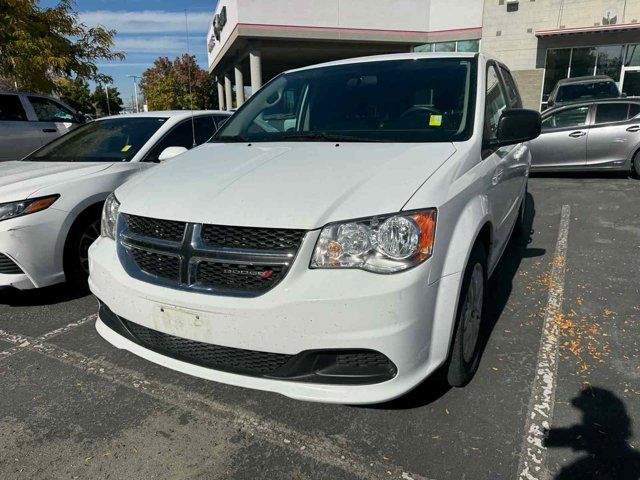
x=89 y=236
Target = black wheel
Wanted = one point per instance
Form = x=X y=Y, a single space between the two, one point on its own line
x=76 y=255
x=520 y=226
x=465 y=351
x=635 y=168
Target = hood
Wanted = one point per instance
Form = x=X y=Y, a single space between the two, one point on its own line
x=20 y=180
x=285 y=185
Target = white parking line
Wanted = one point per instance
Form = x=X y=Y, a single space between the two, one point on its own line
x=533 y=454
x=23 y=342
x=321 y=449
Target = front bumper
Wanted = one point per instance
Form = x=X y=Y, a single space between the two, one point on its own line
x=35 y=243
x=401 y=316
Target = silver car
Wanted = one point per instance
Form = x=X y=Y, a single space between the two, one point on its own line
x=595 y=135
x=28 y=121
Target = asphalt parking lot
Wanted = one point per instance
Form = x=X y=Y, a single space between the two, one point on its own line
x=556 y=396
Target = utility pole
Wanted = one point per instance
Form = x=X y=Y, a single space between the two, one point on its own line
x=108 y=106
x=135 y=90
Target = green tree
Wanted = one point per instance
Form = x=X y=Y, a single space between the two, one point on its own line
x=99 y=99
x=165 y=85
x=76 y=93
x=41 y=45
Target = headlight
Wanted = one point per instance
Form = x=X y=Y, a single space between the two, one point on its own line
x=26 y=207
x=109 y=217
x=384 y=244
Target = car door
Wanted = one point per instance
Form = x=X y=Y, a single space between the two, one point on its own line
x=614 y=135
x=563 y=141
x=500 y=194
x=18 y=136
x=54 y=119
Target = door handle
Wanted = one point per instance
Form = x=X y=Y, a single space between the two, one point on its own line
x=49 y=130
x=634 y=128
x=577 y=134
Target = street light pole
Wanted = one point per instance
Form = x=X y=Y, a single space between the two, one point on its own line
x=135 y=90
x=108 y=106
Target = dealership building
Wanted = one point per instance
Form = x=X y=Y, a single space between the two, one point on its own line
x=542 y=41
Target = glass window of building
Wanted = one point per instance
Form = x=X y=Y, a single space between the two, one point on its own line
x=557 y=68
x=583 y=62
x=461 y=46
x=633 y=56
x=610 y=61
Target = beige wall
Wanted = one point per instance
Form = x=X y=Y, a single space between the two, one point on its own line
x=510 y=36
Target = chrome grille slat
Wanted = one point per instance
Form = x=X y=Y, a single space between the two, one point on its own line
x=206 y=267
x=8 y=267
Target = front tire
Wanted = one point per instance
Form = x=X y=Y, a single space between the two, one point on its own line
x=76 y=252
x=465 y=352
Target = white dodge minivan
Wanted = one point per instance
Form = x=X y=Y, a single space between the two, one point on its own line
x=333 y=240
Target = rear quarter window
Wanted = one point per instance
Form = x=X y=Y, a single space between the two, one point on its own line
x=11 y=109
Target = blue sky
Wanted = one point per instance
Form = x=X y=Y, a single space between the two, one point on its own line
x=147 y=29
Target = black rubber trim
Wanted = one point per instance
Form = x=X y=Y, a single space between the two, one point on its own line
x=331 y=366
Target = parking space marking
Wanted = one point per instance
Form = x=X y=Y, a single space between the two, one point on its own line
x=23 y=342
x=319 y=449
x=532 y=465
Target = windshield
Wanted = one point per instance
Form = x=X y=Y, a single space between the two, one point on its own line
x=586 y=91
x=110 y=140
x=416 y=100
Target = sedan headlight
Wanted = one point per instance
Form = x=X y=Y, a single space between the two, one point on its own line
x=382 y=244
x=109 y=217
x=26 y=207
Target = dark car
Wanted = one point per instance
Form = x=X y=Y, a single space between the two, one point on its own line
x=581 y=89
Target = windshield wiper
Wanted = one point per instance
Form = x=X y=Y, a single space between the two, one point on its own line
x=230 y=139
x=329 y=137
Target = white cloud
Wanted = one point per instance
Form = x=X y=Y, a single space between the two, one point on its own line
x=164 y=44
x=147 y=21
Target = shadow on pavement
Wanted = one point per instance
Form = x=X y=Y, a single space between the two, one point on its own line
x=500 y=287
x=41 y=296
x=602 y=435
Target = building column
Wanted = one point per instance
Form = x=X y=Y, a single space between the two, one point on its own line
x=228 y=91
x=220 y=93
x=255 y=62
x=239 y=86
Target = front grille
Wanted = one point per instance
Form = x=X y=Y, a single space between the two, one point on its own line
x=153 y=228
x=229 y=260
x=227 y=276
x=252 y=238
x=156 y=264
x=8 y=267
x=236 y=360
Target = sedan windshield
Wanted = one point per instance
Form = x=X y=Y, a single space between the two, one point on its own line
x=110 y=140
x=409 y=100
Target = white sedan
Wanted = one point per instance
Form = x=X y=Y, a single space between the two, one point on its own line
x=50 y=201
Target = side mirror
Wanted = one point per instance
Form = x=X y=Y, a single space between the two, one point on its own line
x=518 y=125
x=550 y=102
x=171 y=152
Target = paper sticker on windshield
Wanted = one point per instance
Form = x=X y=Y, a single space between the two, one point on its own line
x=435 y=120
x=126 y=148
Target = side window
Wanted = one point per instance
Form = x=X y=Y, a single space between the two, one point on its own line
x=204 y=127
x=180 y=136
x=512 y=88
x=612 y=112
x=11 y=109
x=495 y=104
x=634 y=110
x=567 y=118
x=221 y=119
x=50 y=111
